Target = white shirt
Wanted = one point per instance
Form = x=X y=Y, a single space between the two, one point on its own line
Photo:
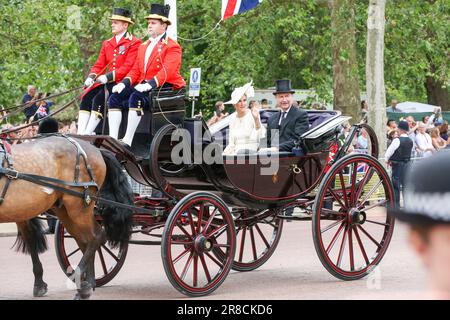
x=393 y=147
x=119 y=37
x=148 y=52
x=282 y=113
x=423 y=142
x=243 y=134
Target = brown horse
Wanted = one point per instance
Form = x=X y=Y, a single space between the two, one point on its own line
x=55 y=157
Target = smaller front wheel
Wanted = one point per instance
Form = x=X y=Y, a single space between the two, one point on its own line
x=197 y=225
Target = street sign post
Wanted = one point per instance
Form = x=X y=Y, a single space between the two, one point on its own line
x=194 y=86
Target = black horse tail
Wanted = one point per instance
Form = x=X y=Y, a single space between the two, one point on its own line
x=116 y=220
x=34 y=240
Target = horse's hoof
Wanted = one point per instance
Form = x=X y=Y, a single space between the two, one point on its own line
x=85 y=291
x=40 y=291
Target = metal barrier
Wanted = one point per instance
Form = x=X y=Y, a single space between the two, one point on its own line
x=138 y=188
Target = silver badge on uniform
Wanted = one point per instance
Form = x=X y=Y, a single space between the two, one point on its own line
x=121 y=49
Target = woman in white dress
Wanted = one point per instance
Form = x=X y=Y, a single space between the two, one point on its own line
x=246 y=129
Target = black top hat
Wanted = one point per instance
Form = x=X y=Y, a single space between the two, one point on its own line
x=283 y=86
x=427 y=192
x=160 y=12
x=122 y=15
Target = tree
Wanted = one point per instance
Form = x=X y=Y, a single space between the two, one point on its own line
x=376 y=95
x=345 y=66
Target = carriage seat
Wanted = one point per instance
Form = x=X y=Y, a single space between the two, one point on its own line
x=315 y=117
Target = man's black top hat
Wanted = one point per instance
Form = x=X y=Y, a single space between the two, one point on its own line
x=160 y=12
x=283 y=86
x=121 y=14
x=427 y=191
x=49 y=125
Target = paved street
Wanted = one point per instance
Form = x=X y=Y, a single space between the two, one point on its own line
x=293 y=272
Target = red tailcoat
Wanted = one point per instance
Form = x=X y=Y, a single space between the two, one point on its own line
x=119 y=64
x=163 y=65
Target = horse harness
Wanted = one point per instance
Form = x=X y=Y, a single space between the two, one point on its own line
x=11 y=174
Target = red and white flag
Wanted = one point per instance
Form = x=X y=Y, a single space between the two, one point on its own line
x=233 y=7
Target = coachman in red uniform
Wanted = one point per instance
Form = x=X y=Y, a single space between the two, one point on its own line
x=157 y=65
x=115 y=60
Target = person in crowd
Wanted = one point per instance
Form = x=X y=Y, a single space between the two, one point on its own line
x=117 y=55
x=391 y=125
x=246 y=129
x=157 y=66
x=289 y=123
x=43 y=107
x=391 y=136
x=443 y=131
x=363 y=112
x=30 y=98
x=254 y=103
x=427 y=213
x=398 y=156
x=219 y=113
x=362 y=142
x=424 y=144
x=393 y=108
x=264 y=104
x=436 y=140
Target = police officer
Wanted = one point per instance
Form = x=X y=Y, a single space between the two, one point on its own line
x=118 y=54
x=157 y=65
x=398 y=155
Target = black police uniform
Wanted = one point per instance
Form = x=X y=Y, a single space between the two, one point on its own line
x=400 y=160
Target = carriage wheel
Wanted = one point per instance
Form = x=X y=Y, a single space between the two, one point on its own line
x=197 y=225
x=107 y=261
x=256 y=240
x=351 y=227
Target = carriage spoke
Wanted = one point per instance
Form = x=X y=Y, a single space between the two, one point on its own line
x=191 y=222
x=195 y=275
x=344 y=190
x=350 y=249
x=353 y=183
x=181 y=255
x=378 y=223
x=363 y=183
x=377 y=204
x=73 y=252
x=333 y=241
x=182 y=243
x=214 y=259
x=220 y=229
x=252 y=237
x=102 y=260
x=205 y=268
x=369 y=194
x=361 y=246
x=241 y=250
x=200 y=217
x=336 y=197
x=330 y=226
x=110 y=253
x=186 y=266
x=341 y=250
x=262 y=236
x=208 y=223
x=333 y=212
x=183 y=230
x=370 y=237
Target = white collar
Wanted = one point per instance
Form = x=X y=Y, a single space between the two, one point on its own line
x=287 y=111
x=119 y=36
x=157 y=38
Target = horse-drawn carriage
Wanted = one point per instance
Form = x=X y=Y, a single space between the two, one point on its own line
x=220 y=213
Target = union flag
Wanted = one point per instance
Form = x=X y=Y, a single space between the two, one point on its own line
x=233 y=7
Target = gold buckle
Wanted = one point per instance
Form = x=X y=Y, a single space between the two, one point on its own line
x=10 y=175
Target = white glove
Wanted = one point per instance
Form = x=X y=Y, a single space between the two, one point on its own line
x=143 y=87
x=118 y=88
x=89 y=82
x=102 y=79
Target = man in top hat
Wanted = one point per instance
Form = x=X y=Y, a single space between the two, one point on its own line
x=290 y=123
x=157 y=65
x=117 y=55
x=427 y=210
x=398 y=156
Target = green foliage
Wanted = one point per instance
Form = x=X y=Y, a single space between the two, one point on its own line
x=42 y=44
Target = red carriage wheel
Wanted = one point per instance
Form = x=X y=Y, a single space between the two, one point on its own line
x=351 y=227
x=198 y=224
x=108 y=261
